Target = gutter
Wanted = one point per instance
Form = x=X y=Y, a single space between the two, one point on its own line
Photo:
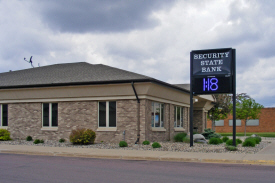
x=152 y=80
x=138 y=113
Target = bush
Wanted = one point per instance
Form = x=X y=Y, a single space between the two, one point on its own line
x=4 y=135
x=224 y=139
x=257 y=140
x=215 y=141
x=208 y=133
x=29 y=138
x=231 y=148
x=36 y=141
x=146 y=142
x=178 y=137
x=230 y=142
x=249 y=143
x=156 y=145
x=82 y=136
x=186 y=140
x=61 y=140
x=42 y=141
x=123 y=144
x=239 y=141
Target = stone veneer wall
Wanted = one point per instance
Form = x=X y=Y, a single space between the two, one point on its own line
x=26 y=119
x=198 y=120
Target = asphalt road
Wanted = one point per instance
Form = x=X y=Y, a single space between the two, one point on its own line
x=39 y=169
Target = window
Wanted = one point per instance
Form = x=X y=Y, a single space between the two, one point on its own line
x=252 y=122
x=178 y=117
x=219 y=123
x=238 y=122
x=50 y=114
x=3 y=115
x=157 y=114
x=107 y=114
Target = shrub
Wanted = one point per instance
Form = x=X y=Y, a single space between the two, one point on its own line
x=224 y=139
x=146 y=142
x=249 y=143
x=239 y=141
x=215 y=141
x=186 y=140
x=178 y=137
x=156 y=145
x=82 y=136
x=4 y=135
x=257 y=140
x=231 y=148
x=29 y=138
x=42 y=141
x=36 y=141
x=208 y=133
x=230 y=142
x=123 y=144
x=61 y=140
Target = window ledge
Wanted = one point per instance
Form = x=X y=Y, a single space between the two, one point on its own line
x=158 y=129
x=49 y=128
x=106 y=129
x=178 y=129
x=4 y=127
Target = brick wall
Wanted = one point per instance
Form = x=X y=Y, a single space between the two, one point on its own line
x=26 y=119
x=266 y=123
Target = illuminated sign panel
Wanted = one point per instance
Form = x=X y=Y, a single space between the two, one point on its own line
x=212 y=62
x=212 y=85
x=212 y=71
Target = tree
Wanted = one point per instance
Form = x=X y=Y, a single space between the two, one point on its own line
x=221 y=108
x=247 y=108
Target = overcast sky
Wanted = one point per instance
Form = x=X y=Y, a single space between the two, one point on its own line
x=153 y=38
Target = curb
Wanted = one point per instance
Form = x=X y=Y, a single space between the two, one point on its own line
x=142 y=158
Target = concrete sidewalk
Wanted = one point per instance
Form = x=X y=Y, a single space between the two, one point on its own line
x=265 y=157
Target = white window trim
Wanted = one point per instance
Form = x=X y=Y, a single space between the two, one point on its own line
x=181 y=122
x=160 y=114
x=50 y=127
x=106 y=128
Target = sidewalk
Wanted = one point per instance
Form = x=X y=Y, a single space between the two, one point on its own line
x=265 y=157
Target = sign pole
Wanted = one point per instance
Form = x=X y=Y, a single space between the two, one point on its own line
x=234 y=96
x=191 y=102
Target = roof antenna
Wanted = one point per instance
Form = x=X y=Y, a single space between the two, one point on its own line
x=30 y=61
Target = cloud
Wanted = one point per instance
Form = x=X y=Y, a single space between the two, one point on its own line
x=104 y=16
x=153 y=38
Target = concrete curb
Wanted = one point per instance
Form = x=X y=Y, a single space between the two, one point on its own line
x=140 y=158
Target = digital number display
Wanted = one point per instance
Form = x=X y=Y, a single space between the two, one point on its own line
x=212 y=85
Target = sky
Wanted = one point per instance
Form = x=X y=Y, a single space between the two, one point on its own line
x=153 y=38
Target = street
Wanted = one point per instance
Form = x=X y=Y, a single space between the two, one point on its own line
x=33 y=169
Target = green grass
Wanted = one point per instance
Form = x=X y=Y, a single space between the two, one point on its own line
x=262 y=134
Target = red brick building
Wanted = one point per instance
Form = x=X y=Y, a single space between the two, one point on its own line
x=265 y=123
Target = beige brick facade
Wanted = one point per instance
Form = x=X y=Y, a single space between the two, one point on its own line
x=26 y=119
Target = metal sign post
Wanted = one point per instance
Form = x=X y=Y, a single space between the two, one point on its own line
x=213 y=72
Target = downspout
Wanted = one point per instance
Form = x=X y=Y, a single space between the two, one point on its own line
x=138 y=113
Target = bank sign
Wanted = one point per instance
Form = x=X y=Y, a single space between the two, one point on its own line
x=212 y=70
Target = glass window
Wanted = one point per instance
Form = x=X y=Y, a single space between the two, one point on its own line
x=219 y=123
x=238 y=122
x=157 y=114
x=4 y=115
x=107 y=114
x=50 y=114
x=252 y=122
x=178 y=117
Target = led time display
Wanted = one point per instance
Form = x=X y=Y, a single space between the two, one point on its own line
x=205 y=85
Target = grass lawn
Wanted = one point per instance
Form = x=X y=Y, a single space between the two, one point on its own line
x=262 y=134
